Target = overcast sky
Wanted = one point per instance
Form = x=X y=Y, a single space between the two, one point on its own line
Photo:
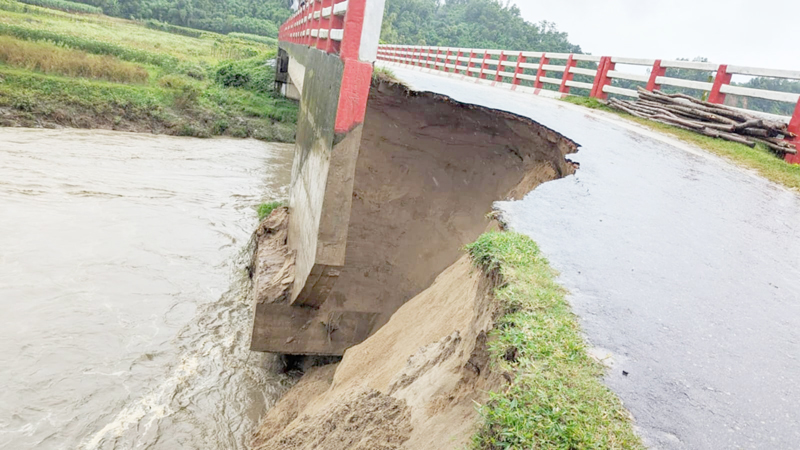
x=760 y=33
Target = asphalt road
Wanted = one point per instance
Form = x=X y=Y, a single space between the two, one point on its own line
x=682 y=267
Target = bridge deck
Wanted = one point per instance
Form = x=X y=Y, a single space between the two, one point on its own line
x=682 y=267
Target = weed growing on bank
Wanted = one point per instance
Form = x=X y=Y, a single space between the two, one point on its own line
x=760 y=158
x=265 y=209
x=50 y=58
x=556 y=398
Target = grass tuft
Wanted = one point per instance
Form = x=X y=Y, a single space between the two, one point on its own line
x=265 y=209
x=50 y=58
x=760 y=158
x=557 y=398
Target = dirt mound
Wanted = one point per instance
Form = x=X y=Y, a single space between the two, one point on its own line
x=367 y=420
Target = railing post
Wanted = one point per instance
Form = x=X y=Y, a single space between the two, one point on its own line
x=722 y=78
x=564 y=89
x=794 y=127
x=436 y=60
x=503 y=58
x=601 y=79
x=519 y=70
x=428 y=52
x=541 y=72
x=447 y=60
x=471 y=65
x=656 y=72
x=484 y=66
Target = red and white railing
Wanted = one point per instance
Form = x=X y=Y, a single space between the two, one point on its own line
x=513 y=68
x=318 y=23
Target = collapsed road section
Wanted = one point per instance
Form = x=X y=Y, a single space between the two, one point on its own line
x=425 y=176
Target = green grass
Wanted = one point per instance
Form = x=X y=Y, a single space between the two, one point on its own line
x=265 y=209
x=759 y=159
x=195 y=83
x=65 y=5
x=556 y=399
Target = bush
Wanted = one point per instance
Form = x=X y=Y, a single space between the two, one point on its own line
x=65 y=5
x=50 y=58
x=252 y=74
x=196 y=70
x=89 y=45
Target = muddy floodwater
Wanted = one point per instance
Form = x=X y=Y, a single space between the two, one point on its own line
x=124 y=317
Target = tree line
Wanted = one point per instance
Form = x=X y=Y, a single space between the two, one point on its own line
x=469 y=23
x=261 y=17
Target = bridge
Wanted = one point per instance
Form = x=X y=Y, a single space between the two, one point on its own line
x=683 y=267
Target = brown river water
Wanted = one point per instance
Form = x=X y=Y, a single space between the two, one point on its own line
x=124 y=309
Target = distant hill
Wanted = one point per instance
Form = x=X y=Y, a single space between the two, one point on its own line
x=261 y=17
x=471 y=24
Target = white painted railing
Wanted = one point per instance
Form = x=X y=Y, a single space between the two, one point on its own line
x=518 y=69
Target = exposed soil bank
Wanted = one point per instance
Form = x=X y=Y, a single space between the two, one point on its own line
x=427 y=175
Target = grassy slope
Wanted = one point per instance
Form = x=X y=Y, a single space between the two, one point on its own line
x=557 y=398
x=760 y=159
x=181 y=95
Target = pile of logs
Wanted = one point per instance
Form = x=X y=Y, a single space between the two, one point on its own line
x=706 y=118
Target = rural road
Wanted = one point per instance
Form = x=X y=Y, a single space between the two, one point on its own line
x=684 y=271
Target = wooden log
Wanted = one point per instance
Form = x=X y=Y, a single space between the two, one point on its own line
x=778 y=148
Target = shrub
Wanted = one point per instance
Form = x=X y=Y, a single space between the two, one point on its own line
x=65 y=5
x=253 y=74
x=49 y=58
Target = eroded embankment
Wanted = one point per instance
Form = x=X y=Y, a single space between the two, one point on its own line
x=427 y=175
x=428 y=171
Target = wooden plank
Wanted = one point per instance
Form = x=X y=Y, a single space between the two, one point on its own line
x=304 y=331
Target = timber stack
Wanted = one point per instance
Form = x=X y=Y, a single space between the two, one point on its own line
x=710 y=119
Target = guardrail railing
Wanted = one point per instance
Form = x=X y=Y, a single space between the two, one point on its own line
x=317 y=23
x=523 y=70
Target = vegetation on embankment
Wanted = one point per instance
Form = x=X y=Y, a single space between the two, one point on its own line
x=265 y=209
x=93 y=71
x=556 y=398
x=760 y=158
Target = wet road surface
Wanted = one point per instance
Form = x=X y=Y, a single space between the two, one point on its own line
x=683 y=269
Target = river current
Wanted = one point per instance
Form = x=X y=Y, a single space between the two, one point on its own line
x=124 y=309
